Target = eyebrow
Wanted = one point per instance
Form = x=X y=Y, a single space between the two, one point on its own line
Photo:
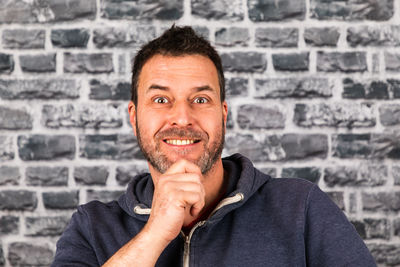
x=166 y=88
x=157 y=87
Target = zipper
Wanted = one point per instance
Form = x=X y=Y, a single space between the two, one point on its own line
x=226 y=201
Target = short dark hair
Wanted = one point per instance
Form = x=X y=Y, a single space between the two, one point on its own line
x=176 y=41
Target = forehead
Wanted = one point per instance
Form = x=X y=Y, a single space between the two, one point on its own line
x=178 y=72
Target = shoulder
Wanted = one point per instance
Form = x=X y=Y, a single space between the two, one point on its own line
x=290 y=186
x=97 y=210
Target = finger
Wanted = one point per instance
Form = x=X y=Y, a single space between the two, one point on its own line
x=191 y=186
x=183 y=166
x=193 y=200
x=197 y=207
x=181 y=177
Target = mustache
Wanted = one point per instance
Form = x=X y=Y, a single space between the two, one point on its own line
x=181 y=132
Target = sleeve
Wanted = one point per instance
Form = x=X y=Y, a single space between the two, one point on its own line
x=331 y=240
x=73 y=247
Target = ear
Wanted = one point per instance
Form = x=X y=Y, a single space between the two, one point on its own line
x=132 y=115
x=225 y=112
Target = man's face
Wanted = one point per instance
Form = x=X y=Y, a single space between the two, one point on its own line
x=179 y=113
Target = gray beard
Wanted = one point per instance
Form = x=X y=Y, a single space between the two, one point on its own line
x=160 y=161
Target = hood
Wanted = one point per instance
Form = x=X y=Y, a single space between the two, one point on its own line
x=243 y=179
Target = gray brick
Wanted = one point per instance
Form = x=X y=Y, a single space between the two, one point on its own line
x=47 y=176
x=9 y=225
x=382 y=201
x=18 y=200
x=114 y=146
x=385 y=254
x=61 y=199
x=25 y=254
x=341 y=61
x=382 y=35
x=88 y=63
x=23 y=39
x=326 y=36
x=291 y=62
x=373 y=175
x=353 y=203
x=341 y=176
x=38 y=63
x=372 y=228
x=351 y=10
x=126 y=173
x=2 y=259
x=389 y=114
x=369 y=175
x=236 y=87
x=394 y=86
x=249 y=146
x=9 y=175
x=124 y=37
x=39 y=89
x=109 y=37
x=6 y=148
x=64 y=10
x=365 y=146
x=276 y=37
x=17 y=12
x=302 y=146
x=91 y=175
x=46 y=147
x=230 y=123
x=14 y=119
x=278 y=148
x=70 y=38
x=351 y=145
x=46 y=11
x=392 y=61
x=103 y=195
x=259 y=117
x=312 y=174
x=82 y=115
x=338 y=198
x=334 y=115
x=202 y=31
x=269 y=10
x=6 y=63
x=244 y=61
x=366 y=89
x=396 y=227
x=232 y=36
x=293 y=87
x=114 y=90
x=385 y=145
x=396 y=174
x=45 y=226
x=218 y=9
x=143 y=10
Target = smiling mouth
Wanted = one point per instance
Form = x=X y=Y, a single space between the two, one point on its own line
x=181 y=142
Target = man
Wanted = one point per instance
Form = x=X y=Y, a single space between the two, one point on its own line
x=194 y=208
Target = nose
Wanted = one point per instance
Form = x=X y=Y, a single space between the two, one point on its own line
x=181 y=114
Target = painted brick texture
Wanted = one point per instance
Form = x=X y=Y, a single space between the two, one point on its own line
x=313 y=88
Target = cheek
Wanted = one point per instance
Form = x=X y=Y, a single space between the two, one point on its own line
x=148 y=123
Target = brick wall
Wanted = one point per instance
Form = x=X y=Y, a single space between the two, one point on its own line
x=313 y=92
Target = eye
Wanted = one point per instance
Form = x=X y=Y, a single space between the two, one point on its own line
x=200 y=100
x=160 y=100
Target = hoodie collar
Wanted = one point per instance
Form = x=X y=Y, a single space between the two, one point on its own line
x=243 y=179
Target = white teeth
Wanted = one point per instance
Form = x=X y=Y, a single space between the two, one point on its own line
x=178 y=142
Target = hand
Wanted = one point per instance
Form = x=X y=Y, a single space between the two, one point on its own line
x=179 y=197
